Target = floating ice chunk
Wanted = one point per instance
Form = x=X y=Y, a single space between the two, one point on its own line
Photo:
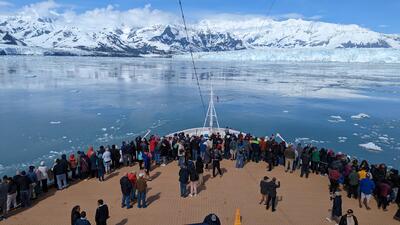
x=285 y=111
x=55 y=122
x=355 y=134
x=130 y=134
x=336 y=119
x=342 y=139
x=64 y=137
x=297 y=140
x=356 y=124
x=104 y=129
x=365 y=136
x=371 y=147
x=384 y=138
x=99 y=114
x=54 y=152
x=360 y=116
x=30 y=76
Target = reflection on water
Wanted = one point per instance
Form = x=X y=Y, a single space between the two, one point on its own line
x=61 y=104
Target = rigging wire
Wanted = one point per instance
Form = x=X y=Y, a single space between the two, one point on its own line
x=191 y=55
x=267 y=15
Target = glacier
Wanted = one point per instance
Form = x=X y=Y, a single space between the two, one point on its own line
x=354 y=55
x=288 y=40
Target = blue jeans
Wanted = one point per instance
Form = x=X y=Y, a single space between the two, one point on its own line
x=239 y=162
x=181 y=160
x=142 y=200
x=25 y=199
x=194 y=154
x=61 y=181
x=157 y=158
x=183 y=189
x=126 y=201
x=133 y=194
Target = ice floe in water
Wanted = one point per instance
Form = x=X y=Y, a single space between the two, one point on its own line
x=336 y=119
x=104 y=129
x=301 y=139
x=285 y=111
x=55 y=152
x=360 y=116
x=99 y=114
x=55 y=122
x=371 y=147
x=342 y=139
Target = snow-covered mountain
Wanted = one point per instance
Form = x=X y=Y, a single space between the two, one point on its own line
x=49 y=36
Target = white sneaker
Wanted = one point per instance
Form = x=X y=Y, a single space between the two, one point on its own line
x=195 y=195
x=190 y=195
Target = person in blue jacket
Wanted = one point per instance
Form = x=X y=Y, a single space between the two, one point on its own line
x=367 y=187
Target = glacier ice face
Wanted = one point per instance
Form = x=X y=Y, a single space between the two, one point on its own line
x=211 y=35
x=357 y=55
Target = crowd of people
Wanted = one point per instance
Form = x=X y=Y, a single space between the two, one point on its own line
x=193 y=155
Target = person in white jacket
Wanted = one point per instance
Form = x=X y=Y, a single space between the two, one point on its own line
x=107 y=160
x=43 y=176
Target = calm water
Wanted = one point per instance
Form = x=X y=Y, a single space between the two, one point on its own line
x=50 y=105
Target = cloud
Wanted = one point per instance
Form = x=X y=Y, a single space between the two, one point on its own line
x=5 y=4
x=106 y=17
x=41 y=9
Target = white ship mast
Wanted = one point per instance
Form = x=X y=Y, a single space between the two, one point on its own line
x=211 y=114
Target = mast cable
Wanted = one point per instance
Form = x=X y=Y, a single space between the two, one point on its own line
x=191 y=55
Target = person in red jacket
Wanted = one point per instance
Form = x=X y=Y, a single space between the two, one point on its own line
x=132 y=178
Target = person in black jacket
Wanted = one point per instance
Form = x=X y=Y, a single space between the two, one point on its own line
x=183 y=180
x=11 y=193
x=75 y=214
x=101 y=213
x=271 y=191
x=305 y=164
x=193 y=177
x=200 y=169
x=263 y=189
x=3 y=197
x=126 y=189
x=24 y=184
x=59 y=171
x=349 y=218
x=216 y=158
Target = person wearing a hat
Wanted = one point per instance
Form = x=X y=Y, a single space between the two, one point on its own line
x=141 y=187
x=348 y=219
x=44 y=176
